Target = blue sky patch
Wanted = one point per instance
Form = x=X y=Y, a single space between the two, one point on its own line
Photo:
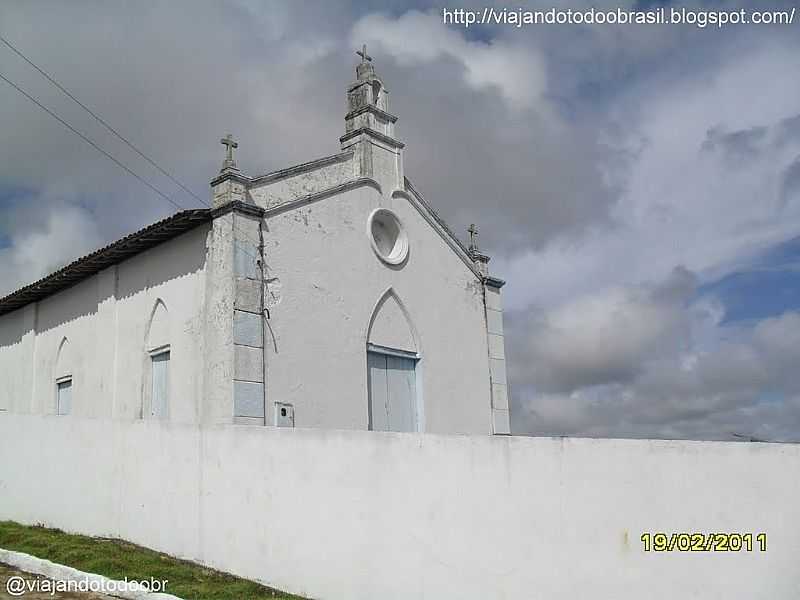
x=768 y=288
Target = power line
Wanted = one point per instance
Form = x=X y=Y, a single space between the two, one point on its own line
x=111 y=157
x=105 y=124
x=90 y=142
x=100 y=120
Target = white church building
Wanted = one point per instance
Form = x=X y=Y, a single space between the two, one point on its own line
x=324 y=295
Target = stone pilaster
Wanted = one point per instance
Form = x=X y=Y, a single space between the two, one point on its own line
x=249 y=400
x=229 y=186
x=217 y=405
x=481 y=262
x=501 y=417
x=235 y=387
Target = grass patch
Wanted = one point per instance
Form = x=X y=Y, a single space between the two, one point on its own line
x=117 y=559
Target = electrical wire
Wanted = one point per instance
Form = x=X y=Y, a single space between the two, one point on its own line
x=114 y=159
x=102 y=121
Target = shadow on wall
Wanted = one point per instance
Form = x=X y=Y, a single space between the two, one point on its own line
x=176 y=258
x=12 y=328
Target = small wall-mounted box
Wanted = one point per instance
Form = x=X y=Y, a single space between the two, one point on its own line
x=284 y=414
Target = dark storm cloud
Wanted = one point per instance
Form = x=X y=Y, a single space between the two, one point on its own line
x=737 y=146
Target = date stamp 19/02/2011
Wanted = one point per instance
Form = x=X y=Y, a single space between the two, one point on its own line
x=704 y=542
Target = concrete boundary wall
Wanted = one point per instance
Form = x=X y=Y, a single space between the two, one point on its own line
x=359 y=515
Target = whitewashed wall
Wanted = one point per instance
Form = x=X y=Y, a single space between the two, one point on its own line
x=359 y=515
x=104 y=320
x=327 y=282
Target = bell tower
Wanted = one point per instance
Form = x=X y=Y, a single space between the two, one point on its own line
x=369 y=127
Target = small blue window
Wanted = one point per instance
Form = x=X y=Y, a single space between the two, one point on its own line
x=159 y=403
x=64 y=399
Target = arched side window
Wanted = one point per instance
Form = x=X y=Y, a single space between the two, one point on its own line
x=63 y=378
x=393 y=374
x=156 y=404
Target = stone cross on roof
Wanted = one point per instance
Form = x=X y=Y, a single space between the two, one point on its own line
x=228 y=141
x=473 y=238
x=363 y=54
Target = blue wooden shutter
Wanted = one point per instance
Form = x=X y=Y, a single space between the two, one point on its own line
x=402 y=393
x=392 y=392
x=64 y=397
x=378 y=391
x=158 y=404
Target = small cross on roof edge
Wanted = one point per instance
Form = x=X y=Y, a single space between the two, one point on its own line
x=473 y=235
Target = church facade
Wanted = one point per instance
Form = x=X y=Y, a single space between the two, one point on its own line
x=325 y=295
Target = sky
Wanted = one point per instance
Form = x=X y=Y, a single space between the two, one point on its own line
x=638 y=186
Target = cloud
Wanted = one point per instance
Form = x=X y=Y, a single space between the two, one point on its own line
x=744 y=387
x=702 y=183
x=486 y=142
x=703 y=178
x=604 y=337
x=416 y=37
x=66 y=231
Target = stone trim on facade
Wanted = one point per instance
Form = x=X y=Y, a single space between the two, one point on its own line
x=438 y=224
x=322 y=194
x=495 y=282
x=299 y=169
x=240 y=207
x=374 y=110
x=371 y=132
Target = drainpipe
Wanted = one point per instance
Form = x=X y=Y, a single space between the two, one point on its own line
x=264 y=317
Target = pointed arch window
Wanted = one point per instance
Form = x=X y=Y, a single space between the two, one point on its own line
x=159 y=355
x=63 y=379
x=393 y=374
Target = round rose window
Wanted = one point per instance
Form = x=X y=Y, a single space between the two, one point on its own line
x=388 y=237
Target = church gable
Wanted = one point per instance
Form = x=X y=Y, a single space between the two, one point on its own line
x=371 y=155
x=332 y=235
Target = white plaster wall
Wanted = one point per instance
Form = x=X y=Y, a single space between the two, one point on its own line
x=361 y=515
x=104 y=319
x=16 y=351
x=330 y=280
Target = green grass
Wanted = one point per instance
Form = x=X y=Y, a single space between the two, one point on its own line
x=117 y=559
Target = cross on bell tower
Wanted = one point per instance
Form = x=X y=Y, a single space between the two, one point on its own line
x=229 y=163
x=369 y=127
x=363 y=54
x=365 y=70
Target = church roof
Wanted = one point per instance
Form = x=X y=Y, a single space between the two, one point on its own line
x=114 y=253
